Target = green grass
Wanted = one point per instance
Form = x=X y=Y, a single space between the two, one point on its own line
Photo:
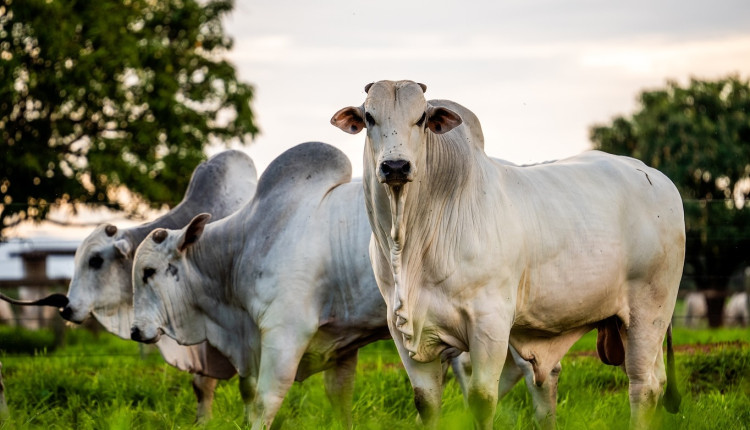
x=102 y=382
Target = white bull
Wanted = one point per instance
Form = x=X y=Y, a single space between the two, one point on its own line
x=696 y=309
x=101 y=284
x=736 y=310
x=474 y=255
x=284 y=287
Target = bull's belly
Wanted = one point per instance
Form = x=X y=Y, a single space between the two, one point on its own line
x=564 y=307
x=329 y=346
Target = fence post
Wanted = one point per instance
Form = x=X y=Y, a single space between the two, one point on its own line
x=34 y=269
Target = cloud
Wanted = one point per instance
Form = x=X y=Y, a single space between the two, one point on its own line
x=648 y=56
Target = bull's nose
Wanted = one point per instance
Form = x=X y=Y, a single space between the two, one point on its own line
x=66 y=313
x=395 y=171
x=135 y=334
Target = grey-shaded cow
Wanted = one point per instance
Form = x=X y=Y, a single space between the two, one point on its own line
x=473 y=255
x=284 y=287
x=736 y=310
x=101 y=285
x=696 y=308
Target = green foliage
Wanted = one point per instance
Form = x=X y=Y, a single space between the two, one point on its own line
x=723 y=370
x=97 y=95
x=18 y=340
x=699 y=136
x=97 y=382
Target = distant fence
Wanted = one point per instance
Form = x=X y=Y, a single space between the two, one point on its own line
x=35 y=284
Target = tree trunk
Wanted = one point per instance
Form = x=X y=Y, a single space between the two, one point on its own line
x=715 y=304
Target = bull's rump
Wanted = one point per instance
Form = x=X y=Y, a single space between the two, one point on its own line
x=595 y=226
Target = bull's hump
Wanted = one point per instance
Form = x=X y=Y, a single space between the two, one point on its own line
x=310 y=164
x=221 y=184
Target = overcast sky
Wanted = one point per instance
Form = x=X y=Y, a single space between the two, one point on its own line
x=538 y=74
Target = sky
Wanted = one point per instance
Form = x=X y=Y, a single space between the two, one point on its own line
x=537 y=74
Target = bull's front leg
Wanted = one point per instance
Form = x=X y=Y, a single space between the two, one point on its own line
x=488 y=349
x=339 y=384
x=204 y=388
x=426 y=381
x=281 y=352
x=543 y=397
x=248 y=392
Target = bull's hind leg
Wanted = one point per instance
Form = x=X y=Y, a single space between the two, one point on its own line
x=204 y=388
x=339 y=384
x=644 y=358
x=644 y=384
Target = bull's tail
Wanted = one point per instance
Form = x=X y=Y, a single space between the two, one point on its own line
x=672 y=398
x=54 y=300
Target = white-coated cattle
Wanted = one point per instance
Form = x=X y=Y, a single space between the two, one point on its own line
x=696 y=309
x=3 y=403
x=284 y=287
x=736 y=311
x=101 y=284
x=474 y=255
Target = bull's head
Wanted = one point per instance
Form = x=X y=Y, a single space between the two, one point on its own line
x=161 y=296
x=101 y=280
x=397 y=118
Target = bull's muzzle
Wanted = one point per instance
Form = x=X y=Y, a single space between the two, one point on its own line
x=395 y=172
x=67 y=314
x=137 y=335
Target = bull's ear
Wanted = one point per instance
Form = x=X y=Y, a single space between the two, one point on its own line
x=193 y=231
x=350 y=119
x=441 y=120
x=110 y=229
x=123 y=248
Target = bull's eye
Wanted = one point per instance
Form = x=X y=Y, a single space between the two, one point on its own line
x=96 y=261
x=173 y=271
x=370 y=120
x=420 y=123
x=147 y=273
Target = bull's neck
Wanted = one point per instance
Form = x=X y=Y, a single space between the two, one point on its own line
x=212 y=259
x=176 y=218
x=422 y=226
x=441 y=208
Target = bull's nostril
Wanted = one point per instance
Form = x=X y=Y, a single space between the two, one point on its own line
x=385 y=169
x=135 y=334
x=406 y=168
x=66 y=313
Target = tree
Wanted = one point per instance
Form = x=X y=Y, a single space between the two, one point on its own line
x=98 y=96
x=699 y=136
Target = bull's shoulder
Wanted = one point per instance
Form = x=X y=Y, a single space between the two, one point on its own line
x=303 y=169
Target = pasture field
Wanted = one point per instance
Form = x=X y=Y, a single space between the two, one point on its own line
x=102 y=382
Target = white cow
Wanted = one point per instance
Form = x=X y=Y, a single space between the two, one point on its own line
x=284 y=287
x=736 y=311
x=4 y=414
x=101 y=285
x=696 y=308
x=473 y=255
